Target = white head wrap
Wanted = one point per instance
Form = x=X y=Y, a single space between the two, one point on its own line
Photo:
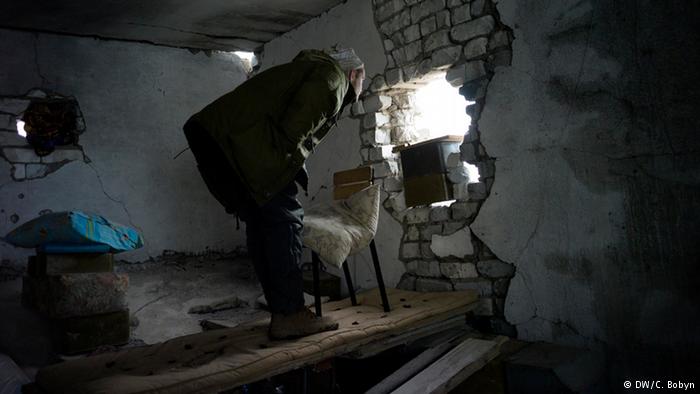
x=347 y=59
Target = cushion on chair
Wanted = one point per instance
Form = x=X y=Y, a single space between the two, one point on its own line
x=338 y=229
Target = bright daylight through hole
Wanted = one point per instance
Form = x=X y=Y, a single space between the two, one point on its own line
x=441 y=110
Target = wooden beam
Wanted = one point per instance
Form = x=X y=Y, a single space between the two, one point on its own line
x=454 y=367
x=355 y=175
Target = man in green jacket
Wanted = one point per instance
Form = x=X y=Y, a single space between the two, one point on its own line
x=250 y=146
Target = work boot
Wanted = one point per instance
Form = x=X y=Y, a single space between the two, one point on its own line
x=299 y=324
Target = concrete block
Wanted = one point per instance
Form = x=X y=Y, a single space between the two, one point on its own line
x=479 y=8
x=395 y=23
x=485 y=307
x=412 y=233
x=418 y=215
x=442 y=19
x=454 y=160
x=82 y=334
x=393 y=184
x=410 y=250
x=375 y=103
x=20 y=155
x=410 y=72
x=460 y=14
x=477 y=191
x=413 y=50
x=458 y=270
x=469 y=71
x=481 y=286
x=476 y=48
x=468 y=30
x=357 y=108
x=449 y=228
x=425 y=66
x=439 y=39
x=394 y=76
x=440 y=214
x=388 y=45
x=495 y=269
x=428 y=25
x=427 y=232
x=464 y=210
x=388 y=9
x=430 y=269
x=445 y=56
x=398 y=40
x=19 y=171
x=34 y=171
x=426 y=252
x=56 y=264
x=8 y=122
x=374 y=120
x=467 y=153
x=474 y=90
x=385 y=169
x=70 y=295
x=426 y=8
x=12 y=105
x=427 y=285
x=407 y=282
x=404 y=100
x=455 y=3
x=382 y=152
x=63 y=154
x=458 y=244
x=458 y=174
x=364 y=154
x=396 y=203
x=11 y=138
x=378 y=84
x=412 y=33
x=375 y=136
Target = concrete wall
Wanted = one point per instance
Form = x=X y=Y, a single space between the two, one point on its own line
x=351 y=25
x=134 y=99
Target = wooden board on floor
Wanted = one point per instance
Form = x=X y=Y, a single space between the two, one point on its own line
x=222 y=359
x=453 y=368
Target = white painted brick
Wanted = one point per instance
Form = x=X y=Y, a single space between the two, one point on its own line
x=455 y=3
x=410 y=250
x=412 y=233
x=472 y=29
x=460 y=191
x=467 y=152
x=385 y=169
x=378 y=83
x=437 y=40
x=380 y=153
x=63 y=154
x=464 y=210
x=458 y=244
x=458 y=270
x=445 y=56
x=458 y=174
x=411 y=33
x=11 y=138
x=388 y=45
x=425 y=66
x=495 y=269
x=475 y=48
x=395 y=23
x=442 y=19
x=471 y=135
x=469 y=71
x=394 y=76
x=364 y=153
x=20 y=155
x=8 y=122
x=414 y=50
x=19 y=172
x=13 y=105
x=375 y=103
x=36 y=171
x=418 y=215
x=373 y=120
x=427 y=232
x=454 y=160
x=477 y=191
x=393 y=184
x=428 y=25
x=375 y=136
x=425 y=8
x=461 y=14
x=439 y=214
x=390 y=62
x=397 y=204
x=409 y=72
x=405 y=100
x=482 y=286
x=479 y=8
x=426 y=252
x=427 y=285
x=388 y=9
x=427 y=269
x=449 y=228
x=402 y=117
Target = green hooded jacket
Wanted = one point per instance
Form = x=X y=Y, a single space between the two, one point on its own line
x=268 y=125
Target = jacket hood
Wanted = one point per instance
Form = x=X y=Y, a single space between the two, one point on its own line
x=316 y=55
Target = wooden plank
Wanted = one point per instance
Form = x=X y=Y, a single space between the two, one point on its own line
x=374 y=348
x=421 y=361
x=359 y=174
x=454 y=367
x=345 y=191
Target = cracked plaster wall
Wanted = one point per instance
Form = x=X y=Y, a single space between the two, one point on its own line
x=596 y=197
x=134 y=99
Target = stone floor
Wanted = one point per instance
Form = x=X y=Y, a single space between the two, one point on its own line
x=160 y=295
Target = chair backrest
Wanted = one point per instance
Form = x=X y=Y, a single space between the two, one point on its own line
x=348 y=182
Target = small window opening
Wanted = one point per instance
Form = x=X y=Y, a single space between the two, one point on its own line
x=440 y=110
x=248 y=58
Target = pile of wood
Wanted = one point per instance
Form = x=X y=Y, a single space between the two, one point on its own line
x=82 y=296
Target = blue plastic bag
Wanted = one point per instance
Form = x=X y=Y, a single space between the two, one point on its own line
x=74 y=232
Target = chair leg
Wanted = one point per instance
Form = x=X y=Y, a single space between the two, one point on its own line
x=380 y=279
x=348 y=280
x=316 y=262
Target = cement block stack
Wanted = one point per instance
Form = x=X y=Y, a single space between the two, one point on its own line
x=82 y=296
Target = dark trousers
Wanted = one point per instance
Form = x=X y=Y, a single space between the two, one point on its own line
x=273 y=230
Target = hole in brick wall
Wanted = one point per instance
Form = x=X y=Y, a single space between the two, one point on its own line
x=440 y=110
x=49 y=122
